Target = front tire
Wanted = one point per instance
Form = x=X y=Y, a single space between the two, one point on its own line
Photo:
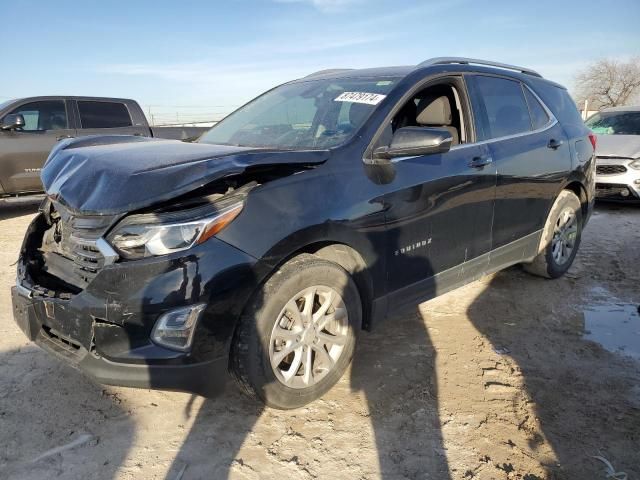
x=560 y=238
x=297 y=336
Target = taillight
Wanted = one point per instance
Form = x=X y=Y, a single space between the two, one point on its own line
x=594 y=140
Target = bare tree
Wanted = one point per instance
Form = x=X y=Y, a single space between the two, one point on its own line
x=608 y=83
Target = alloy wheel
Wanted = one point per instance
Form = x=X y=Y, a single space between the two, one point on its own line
x=565 y=233
x=308 y=337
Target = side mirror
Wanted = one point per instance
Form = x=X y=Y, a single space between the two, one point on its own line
x=12 y=121
x=415 y=141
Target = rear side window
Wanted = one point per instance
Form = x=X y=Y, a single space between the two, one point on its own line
x=43 y=115
x=557 y=99
x=502 y=108
x=103 y=114
x=539 y=117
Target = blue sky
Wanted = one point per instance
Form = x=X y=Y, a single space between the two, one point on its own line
x=202 y=58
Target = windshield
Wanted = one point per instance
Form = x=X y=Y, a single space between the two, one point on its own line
x=316 y=114
x=5 y=103
x=615 y=123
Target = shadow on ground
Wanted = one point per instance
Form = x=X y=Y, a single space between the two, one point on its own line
x=583 y=400
x=393 y=369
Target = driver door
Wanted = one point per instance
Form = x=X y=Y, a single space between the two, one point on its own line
x=439 y=215
x=23 y=152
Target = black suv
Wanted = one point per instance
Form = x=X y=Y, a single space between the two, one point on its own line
x=311 y=212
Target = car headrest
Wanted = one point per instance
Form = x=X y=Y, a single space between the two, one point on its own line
x=434 y=111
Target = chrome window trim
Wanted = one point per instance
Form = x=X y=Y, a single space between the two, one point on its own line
x=486 y=142
x=508 y=137
x=552 y=118
x=418 y=86
x=552 y=121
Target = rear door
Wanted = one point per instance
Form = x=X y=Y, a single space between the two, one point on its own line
x=102 y=117
x=23 y=152
x=530 y=151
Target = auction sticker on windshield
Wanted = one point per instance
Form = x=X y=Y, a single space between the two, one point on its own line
x=360 y=97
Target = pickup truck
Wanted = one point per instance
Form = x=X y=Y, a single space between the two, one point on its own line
x=30 y=127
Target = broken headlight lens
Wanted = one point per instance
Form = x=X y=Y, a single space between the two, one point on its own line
x=149 y=235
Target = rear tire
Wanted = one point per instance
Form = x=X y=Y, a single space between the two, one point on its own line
x=297 y=336
x=560 y=238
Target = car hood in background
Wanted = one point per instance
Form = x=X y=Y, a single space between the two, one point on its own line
x=627 y=146
x=110 y=175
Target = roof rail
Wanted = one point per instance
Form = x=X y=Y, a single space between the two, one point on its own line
x=475 y=61
x=328 y=71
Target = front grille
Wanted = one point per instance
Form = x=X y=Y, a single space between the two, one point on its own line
x=77 y=240
x=60 y=344
x=610 y=169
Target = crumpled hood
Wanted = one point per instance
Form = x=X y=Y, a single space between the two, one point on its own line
x=110 y=175
x=627 y=146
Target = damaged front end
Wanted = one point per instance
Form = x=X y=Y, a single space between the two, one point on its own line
x=134 y=298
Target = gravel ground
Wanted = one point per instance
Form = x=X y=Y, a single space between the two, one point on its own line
x=492 y=381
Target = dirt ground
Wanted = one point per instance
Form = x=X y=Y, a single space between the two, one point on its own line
x=492 y=381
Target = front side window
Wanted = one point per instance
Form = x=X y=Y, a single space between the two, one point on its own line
x=615 y=123
x=503 y=109
x=103 y=114
x=43 y=115
x=314 y=114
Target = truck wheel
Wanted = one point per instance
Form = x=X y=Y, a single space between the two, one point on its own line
x=560 y=238
x=297 y=336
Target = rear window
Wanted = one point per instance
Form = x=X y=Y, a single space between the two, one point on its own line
x=615 y=123
x=103 y=114
x=558 y=100
x=539 y=117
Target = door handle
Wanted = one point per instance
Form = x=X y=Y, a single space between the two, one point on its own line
x=480 y=161
x=554 y=144
x=62 y=137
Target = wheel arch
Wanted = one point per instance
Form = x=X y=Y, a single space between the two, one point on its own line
x=340 y=253
x=580 y=191
x=353 y=262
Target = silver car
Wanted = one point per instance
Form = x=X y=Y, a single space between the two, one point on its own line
x=618 y=153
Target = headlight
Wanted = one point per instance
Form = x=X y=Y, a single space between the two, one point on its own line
x=635 y=164
x=149 y=235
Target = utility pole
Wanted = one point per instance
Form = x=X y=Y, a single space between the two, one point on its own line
x=586 y=106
